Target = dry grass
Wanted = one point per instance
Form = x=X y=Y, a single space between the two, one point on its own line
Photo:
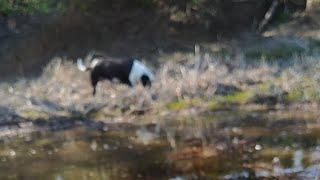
x=63 y=90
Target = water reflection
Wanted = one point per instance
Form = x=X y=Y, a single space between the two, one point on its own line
x=222 y=146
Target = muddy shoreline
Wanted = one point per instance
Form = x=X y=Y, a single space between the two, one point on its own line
x=19 y=126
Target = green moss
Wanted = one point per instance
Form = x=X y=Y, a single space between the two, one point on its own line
x=239 y=98
x=214 y=105
x=236 y=98
x=312 y=94
x=294 y=96
x=264 y=87
x=182 y=104
x=177 y=105
x=34 y=114
x=307 y=90
x=267 y=86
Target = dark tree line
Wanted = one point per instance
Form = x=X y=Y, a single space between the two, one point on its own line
x=256 y=13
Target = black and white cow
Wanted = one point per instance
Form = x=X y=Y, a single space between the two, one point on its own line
x=130 y=71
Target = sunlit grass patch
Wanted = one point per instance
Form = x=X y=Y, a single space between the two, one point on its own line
x=294 y=95
x=236 y=98
x=103 y=113
x=303 y=94
x=269 y=87
x=183 y=104
x=264 y=87
x=306 y=89
x=177 y=105
x=215 y=105
x=34 y=114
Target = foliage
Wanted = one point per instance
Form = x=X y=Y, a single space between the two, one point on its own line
x=45 y=6
x=83 y=5
x=283 y=17
x=25 y=6
x=145 y=3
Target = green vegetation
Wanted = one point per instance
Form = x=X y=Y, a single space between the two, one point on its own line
x=294 y=95
x=25 y=6
x=235 y=98
x=238 y=98
x=8 y=7
x=303 y=94
x=216 y=103
x=183 y=104
x=219 y=102
x=306 y=89
x=177 y=105
x=223 y=53
x=35 y=114
x=283 y=17
x=314 y=44
x=280 y=52
x=145 y=3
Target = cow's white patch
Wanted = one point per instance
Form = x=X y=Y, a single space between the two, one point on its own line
x=94 y=62
x=138 y=69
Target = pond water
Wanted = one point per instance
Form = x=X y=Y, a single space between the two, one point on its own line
x=220 y=145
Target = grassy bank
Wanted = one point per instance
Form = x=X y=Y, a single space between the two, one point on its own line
x=185 y=83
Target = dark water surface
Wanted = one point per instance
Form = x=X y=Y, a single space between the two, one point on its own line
x=223 y=145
